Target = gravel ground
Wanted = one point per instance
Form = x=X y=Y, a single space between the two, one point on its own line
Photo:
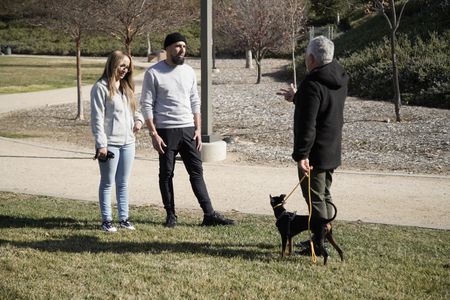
x=258 y=125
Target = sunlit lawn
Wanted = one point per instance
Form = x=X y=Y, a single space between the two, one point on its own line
x=29 y=74
x=53 y=249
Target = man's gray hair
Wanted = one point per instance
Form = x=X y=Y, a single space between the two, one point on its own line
x=322 y=49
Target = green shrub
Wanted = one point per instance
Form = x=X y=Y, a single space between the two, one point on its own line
x=424 y=71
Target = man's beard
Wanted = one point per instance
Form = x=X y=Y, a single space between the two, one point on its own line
x=178 y=60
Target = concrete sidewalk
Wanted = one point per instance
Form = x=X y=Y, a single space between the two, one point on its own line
x=381 y=198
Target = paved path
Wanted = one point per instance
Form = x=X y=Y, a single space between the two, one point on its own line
x=32 y=168
x=382 y=198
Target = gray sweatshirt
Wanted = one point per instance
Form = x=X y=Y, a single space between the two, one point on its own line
x=112 y=121
x=169 y=95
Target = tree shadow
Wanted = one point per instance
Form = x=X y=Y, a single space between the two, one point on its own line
x=45 y=157
x=87 y=238
x=94 y=244
x=281 y=75
x=46 y=223
x=60 y=223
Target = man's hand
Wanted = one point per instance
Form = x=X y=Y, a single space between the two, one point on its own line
x=158 y=143
x=198 y=139
x=304 y=166
x=288 y=93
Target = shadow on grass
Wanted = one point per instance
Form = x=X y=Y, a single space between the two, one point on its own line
x=58 y=223
x=93 y=244
x=90 y=240
x=46 y=223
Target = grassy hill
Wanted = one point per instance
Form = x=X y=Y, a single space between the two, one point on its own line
x=420 y=18
x=423 y=54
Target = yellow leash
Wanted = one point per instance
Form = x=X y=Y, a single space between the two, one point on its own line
x=313 y=253
x=295 y=187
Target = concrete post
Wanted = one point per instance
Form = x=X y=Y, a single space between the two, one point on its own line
x=213 y=148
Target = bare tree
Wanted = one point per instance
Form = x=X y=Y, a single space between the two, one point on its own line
x=169 y=15
x=297 y=10
x=77 y=19
x=393 y=22
x=125 y=19
x=258 y=25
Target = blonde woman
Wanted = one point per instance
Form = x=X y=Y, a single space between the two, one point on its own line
x=115 y=120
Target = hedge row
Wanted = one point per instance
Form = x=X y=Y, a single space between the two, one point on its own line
x=24 y=39
x=424 y=68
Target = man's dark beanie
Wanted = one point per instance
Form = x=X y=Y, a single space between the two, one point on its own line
x=173 y=38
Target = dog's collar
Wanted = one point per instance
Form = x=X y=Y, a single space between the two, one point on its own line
x=278 y=205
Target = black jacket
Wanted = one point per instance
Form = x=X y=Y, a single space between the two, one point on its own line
x=319 y=116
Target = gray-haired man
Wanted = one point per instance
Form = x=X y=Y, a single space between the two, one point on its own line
x=318 y=121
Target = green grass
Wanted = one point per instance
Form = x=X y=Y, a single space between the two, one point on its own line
x=30 y=74
x=53 y=249
x=16 y=135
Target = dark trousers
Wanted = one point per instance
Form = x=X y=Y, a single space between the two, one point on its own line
x=180 y=140
x=320 y=192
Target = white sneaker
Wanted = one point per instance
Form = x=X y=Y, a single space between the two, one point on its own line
x=107 y=226
x=126 y=224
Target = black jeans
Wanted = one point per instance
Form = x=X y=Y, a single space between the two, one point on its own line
x=180 y=140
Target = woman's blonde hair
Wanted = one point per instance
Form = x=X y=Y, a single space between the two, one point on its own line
x=115 y=59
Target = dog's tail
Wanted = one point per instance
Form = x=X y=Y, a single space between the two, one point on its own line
x=333 y=217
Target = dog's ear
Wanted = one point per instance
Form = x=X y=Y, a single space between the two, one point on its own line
x=272 y=200
x=282 y=196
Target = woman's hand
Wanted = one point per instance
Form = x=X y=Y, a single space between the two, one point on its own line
x=102 y=153
x=137 y=126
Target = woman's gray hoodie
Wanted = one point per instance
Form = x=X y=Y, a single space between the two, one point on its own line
x=112 y=120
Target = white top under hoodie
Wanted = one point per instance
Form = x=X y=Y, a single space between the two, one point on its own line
x=112 y=121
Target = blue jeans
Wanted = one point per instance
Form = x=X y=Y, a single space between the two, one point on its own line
x=116 y=170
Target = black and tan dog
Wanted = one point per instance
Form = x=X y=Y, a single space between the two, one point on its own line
x=289 y=225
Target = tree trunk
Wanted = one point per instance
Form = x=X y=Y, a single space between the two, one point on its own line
x=248 y=59
x=397 y=98
x=258 y=58
x=149 y=45
x=80 y=114
x=128 y=47
x=128 y=41
x=293 y=56
x=259 y=55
